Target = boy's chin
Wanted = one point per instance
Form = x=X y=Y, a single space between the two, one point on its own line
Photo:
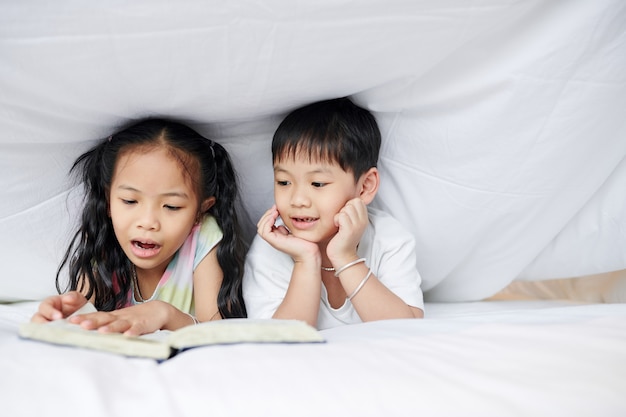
x=309 y=237
x=312 y=237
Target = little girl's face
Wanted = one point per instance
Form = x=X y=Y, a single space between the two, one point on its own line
x=153 y=207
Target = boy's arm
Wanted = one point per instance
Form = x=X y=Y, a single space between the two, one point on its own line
x=302 y=300
x=374 y=301
x=370 y=297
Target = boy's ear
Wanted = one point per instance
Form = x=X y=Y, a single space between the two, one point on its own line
x=369 y=183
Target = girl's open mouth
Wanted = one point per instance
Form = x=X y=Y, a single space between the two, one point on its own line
x=145 y=249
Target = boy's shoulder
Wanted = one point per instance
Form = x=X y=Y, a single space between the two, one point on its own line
x=381 y=217
x=385 y=236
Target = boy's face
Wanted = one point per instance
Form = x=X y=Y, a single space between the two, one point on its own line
x=308 y=195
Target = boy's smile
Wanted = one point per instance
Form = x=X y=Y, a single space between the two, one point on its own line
x=303 y=223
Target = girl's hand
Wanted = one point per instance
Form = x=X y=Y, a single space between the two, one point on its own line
x=59 y=307
x=351 y=221
x=136 y=320
x=280 y=238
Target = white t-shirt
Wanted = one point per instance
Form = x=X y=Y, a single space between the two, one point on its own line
x=389 y=251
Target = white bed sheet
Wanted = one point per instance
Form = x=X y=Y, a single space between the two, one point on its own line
x=510 y=358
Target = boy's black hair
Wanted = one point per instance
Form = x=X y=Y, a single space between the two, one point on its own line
x=94 y=256
x=335 y=130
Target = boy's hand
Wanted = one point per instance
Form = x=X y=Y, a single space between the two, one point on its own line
x=351 y=221
x=59 y=307
x=280 y=238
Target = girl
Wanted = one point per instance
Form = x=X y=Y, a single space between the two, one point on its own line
x=159 y=244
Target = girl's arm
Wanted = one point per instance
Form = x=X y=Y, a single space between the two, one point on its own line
x=159 y=315
x=207 y=280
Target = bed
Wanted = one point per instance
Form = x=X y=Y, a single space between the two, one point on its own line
x=499 y=358
x=504 y=153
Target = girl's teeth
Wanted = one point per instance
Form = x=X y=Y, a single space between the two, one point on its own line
x=145 y=245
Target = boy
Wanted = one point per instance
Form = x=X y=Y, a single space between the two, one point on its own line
x=330 y=260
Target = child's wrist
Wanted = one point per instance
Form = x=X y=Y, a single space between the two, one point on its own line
x=311 y=257
x=314 y=261
x=342 y=267
x=344 y=259
x=166 y=313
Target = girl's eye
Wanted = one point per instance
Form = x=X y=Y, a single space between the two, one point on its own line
x=128 y=202
x=318 y=184
x=282 y=183
x=172 y=208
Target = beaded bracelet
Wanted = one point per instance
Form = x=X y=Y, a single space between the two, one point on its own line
x=361 y=284
x=348 y=265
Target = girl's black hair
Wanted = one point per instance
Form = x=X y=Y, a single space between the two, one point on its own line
x=335 y=130
x=94 y=256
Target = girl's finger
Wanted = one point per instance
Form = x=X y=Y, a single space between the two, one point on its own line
x=49 y=310
x=116 y=326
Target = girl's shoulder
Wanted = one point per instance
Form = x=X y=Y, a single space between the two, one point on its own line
x=208 y=229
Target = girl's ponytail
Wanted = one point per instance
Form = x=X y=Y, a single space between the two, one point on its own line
x=96 y=264
x=231 y=250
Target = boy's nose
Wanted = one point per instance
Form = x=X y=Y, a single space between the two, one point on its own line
x=299 y=198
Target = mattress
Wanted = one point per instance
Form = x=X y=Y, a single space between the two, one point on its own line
x=487 y=358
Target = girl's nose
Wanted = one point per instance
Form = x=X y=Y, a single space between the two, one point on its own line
x=149 y=219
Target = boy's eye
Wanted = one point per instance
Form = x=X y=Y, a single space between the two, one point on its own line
x=318 y=184
x=282 y=183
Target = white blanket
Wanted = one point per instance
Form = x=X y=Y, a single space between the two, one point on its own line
x=503 y=122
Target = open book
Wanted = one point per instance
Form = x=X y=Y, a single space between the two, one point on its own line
x=164 y=344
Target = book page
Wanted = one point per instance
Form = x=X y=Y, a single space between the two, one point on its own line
x=62 y=332
x=229 y=331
